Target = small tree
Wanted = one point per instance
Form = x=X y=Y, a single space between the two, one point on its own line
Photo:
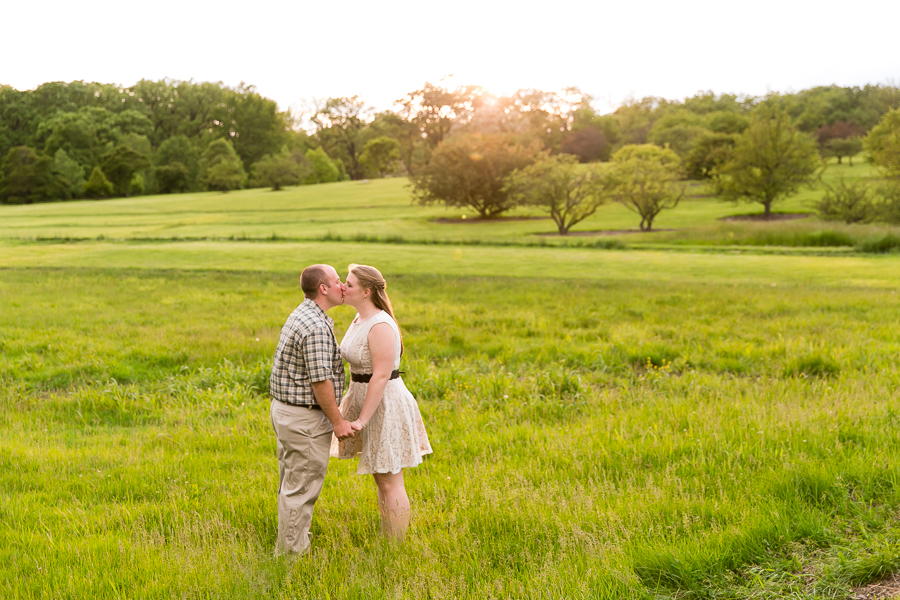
x=887 y=208
x=225 y=175
x=557 y=184
x=97 y=185
x=324 y=170
x=848 y=203
x=222 y=168
x=120 y=165
x=173 y=177
x=137 y=185
x=840 y=147
x=771 y=160
x=469 y=171
x=381 y=155
x=27 y=177
x=840 y=139
x=883 y=144
x=645 y=179
x=278 y=170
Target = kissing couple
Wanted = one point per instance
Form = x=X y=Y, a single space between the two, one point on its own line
x=377 y=420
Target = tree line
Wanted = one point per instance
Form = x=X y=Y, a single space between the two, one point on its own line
x=75 y=140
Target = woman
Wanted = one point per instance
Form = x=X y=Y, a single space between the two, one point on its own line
x=391 y=435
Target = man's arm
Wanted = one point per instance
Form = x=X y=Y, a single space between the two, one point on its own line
x=324 y=392
x=317 y=353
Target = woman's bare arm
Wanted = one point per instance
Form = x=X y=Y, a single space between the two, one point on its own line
x=383 y=348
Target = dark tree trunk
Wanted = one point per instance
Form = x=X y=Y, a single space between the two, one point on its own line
x=768 y=206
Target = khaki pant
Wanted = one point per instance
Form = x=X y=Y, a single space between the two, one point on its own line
x=304 y=439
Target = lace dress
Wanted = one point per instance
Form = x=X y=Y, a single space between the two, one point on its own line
x=394 y=437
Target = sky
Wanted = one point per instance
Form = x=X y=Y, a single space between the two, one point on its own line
x=295 y=52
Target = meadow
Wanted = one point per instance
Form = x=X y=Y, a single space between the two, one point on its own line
x=678 y=420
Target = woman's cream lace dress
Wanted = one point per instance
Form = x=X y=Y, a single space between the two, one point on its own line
x=395 y=436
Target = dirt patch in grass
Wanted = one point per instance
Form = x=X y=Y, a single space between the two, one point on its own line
x=458 y=220
x=882 y=590
x=771 y=217
x=603 y=232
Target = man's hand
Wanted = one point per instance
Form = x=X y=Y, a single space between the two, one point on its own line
x=343 y=429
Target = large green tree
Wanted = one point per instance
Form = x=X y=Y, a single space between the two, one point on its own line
x=433 y=110
x=568 y=192
x=340 y=123
x=120 y=165
x=380 y=155
x=27 y=177
x=279 y=170
x=883 y=144
x=258 y=128
x=770 y=161
x=177 y=165
x=469 y=171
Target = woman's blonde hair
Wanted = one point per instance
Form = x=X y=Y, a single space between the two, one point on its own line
x=371 y=279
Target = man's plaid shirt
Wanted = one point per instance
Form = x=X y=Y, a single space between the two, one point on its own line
x=307 y=353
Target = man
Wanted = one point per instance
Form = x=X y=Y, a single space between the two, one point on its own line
x=306 y=386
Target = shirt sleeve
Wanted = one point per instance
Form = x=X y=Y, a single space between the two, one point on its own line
x=317 y=354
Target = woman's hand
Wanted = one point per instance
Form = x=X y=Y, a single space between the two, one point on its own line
x=357 y=425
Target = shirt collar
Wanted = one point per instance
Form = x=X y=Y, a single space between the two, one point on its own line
x=316 y=308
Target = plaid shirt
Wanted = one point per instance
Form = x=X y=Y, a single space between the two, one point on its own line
x=307 y=353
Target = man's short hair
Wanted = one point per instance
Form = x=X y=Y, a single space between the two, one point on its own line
x=311 y=278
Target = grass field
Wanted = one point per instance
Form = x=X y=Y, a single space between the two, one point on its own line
x=635 y=440
x=686 y=418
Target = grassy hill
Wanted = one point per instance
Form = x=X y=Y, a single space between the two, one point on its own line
x=383 y=209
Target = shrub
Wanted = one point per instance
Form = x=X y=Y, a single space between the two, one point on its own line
x=882 y=245
x=97 y=185
x=324 y=170
x=888 y=206
x=848 y=203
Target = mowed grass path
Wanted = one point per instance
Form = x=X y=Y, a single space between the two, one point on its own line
x=593 y=439
x=551 y=263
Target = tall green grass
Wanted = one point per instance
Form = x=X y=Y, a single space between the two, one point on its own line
x=593 y=439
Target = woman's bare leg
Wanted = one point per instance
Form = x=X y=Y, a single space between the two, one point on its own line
x=393 y=504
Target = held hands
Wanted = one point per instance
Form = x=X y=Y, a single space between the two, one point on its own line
x=344 y=429
x=357 y=425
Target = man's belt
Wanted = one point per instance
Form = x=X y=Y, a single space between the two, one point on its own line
x=367 y=377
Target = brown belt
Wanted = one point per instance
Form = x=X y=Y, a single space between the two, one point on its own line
x=367 y=377
x=309 y=406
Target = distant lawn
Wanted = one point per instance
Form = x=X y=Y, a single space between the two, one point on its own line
x=383 y=209
x=722 y=266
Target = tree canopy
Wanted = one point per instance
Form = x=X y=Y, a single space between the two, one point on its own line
x=770 y=161
x=468 y=171
x=171 y=124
